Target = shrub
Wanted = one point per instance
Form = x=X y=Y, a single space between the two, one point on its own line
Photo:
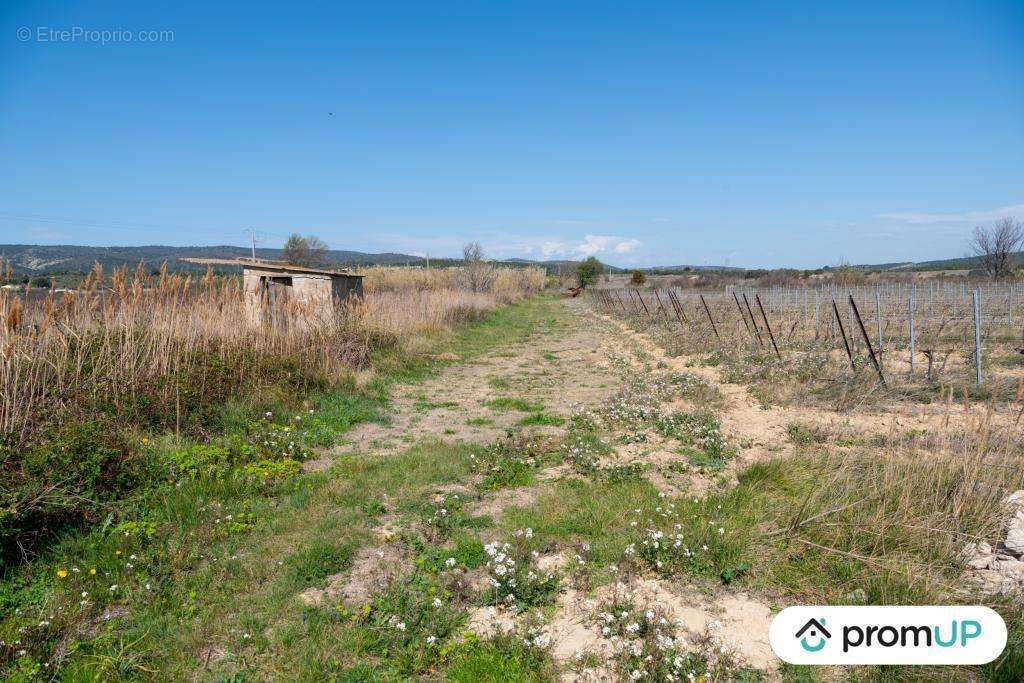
x=68 y=475
x=588 y=271
x=201 y=461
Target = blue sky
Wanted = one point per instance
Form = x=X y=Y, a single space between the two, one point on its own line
x=753 y=134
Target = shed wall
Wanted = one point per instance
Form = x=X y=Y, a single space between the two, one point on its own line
x=320 y=294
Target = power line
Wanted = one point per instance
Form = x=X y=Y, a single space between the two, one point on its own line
x=120 y=226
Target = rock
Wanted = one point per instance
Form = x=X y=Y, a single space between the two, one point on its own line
x=1009 y=567
x=1015 y=539
x=972 y=549
x=977 y=555
x=1014 y=500
x=991 y=581
x=1000 y=569
x=980 y=562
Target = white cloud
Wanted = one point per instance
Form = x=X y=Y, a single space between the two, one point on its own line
x=627 y=246
x=553 y=247
x=915 y=218
x=593 y=245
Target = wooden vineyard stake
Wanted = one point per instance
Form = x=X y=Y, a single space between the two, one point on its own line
x=867 y=340
x=842 y=331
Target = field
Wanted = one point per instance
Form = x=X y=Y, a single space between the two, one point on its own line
x=491 y=485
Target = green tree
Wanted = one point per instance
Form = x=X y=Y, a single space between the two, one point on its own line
x=638 y=277
x=588 y=271
x=304 y=251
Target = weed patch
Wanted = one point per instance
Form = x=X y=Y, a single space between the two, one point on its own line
x=542 y=419
x=505 y=403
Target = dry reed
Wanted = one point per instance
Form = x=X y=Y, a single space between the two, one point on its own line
x=120 y=335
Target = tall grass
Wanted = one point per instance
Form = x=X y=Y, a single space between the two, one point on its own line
x=135 y=352
x=118 y=338
x=403 y=302
x=904 y=502
x=506 y=285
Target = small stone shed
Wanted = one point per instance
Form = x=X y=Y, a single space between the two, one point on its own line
x=271 y=286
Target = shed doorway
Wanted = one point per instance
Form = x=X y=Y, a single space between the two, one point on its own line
x=275 y=293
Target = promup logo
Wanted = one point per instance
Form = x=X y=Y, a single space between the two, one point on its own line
x=817 y=631
x=888 y=635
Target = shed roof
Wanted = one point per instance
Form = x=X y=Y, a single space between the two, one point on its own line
x=272 y=266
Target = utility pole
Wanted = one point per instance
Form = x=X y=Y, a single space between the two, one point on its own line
x=252 y=238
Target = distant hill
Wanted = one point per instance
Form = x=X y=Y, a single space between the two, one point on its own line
x=65 y=259
x=962 y=263
x=48 y=259
x=679 y=269
x=58 y=259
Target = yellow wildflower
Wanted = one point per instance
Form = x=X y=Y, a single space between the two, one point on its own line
x=92 y=571
x=62 y=573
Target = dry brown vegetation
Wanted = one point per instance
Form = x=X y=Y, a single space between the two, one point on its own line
x=82 y=371
x=119 y=333
x=401 y=302
x=812 y=359
x=924 y=462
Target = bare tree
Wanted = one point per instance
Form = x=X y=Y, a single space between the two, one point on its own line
x=996 y=245
x=480 y=275
x=304 y=251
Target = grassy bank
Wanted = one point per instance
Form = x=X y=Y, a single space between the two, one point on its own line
x=115 y=500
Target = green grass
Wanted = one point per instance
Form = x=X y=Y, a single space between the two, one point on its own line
x=509 y=404
x=502 y=659
x=542 y=419
x=284 y=552
x=434 y=405
x=593 y=511
x=319 y=560
x=466 y=548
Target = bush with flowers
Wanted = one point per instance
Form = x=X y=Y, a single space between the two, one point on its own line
x=648 y=645
x=515 y=580
x=686 y=539
x=411 y=623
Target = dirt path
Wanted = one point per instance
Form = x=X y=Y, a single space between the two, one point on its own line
x=557 y=370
